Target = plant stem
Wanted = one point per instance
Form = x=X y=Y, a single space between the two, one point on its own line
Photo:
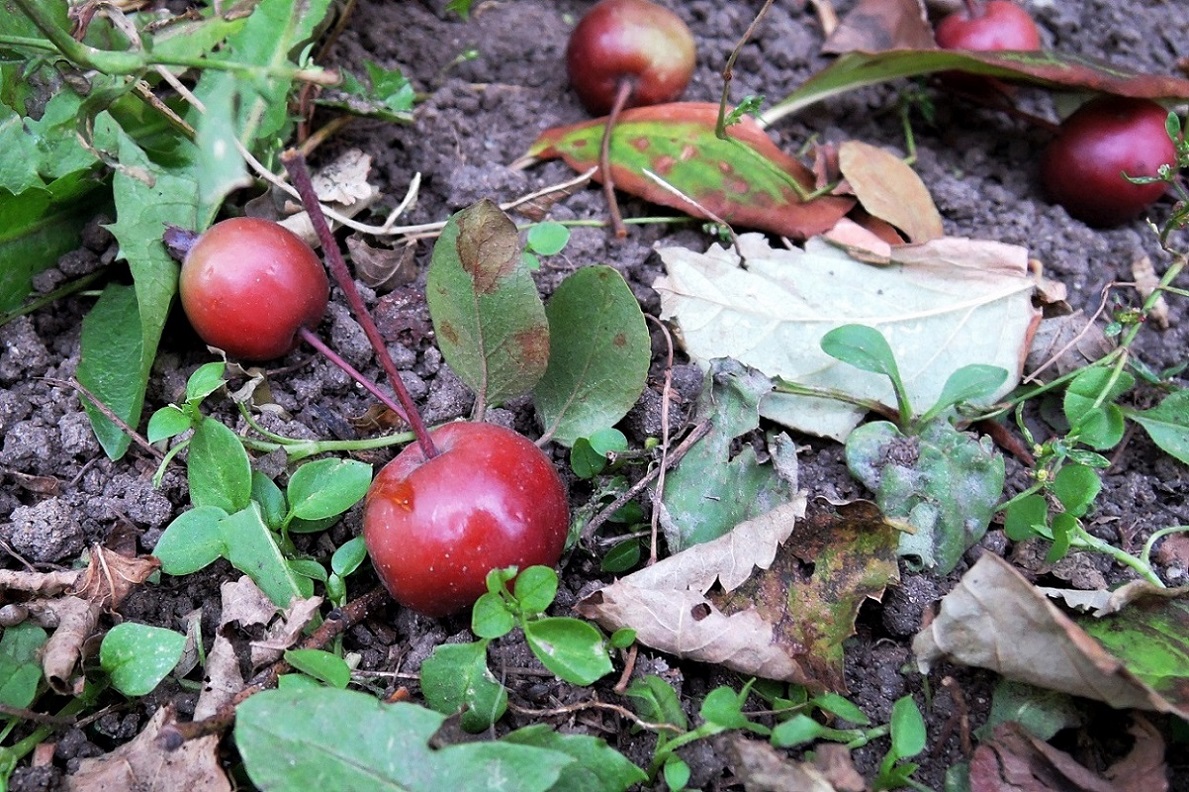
x=1084 y=539
x=317 y=343
x=299 y=172
x=622 y=94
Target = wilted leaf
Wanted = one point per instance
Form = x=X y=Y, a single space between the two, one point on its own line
x=745 y=180
x=599 y=352
x=762 y=768
x=1046 y=69
x=787 y=621
x=996 y=619
x=142 y=764
x=489 y=319
x=943 y=482
x=890 y=189
x=717 y=486
x=971 y=299
x=877 y=25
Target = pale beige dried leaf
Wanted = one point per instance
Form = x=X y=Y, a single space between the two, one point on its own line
x=1146 y=281
x=244 y=603
x=73 y=620
x=666 y=603
x=342 y=185
x=890 y=189
x=222 y=679
x=1065 y=343
x=284 y=632
x=996 y=619
x=761 y=768
x=144 y=766
x=878 y=25
x=44 y=583
x=970 y=301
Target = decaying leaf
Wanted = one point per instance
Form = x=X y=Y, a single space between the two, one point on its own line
x=890 y=189
x=74 y=621
x=1065 y=343
x=877 y=25
x=762 y=768
x=745 y=180
x=144 y=765
x=110 y=577
x=971 y=300
x=786 y=621
x=343 y=185
x=996 y=619
x=285 y=631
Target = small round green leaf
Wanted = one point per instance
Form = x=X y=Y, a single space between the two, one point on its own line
x=1026 y=518
x=1076 y=486
x=490 y=617
x=138 y=656
x=676 y=772
x=328 y=487
x=548 y=238
x=167 y=422
x=570 y=648
x=192 y=541
x=20 y=669
x=535 y=589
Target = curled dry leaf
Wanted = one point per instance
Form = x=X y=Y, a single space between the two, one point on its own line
x=74 y=620
x=143 y=765
x=877 y=25
x=110 y=577
x=1065 y=343
x=284 y=632
x=996 y=619
x=343 y=186
x=971 y=298
x=762 y=768
x=890 y=189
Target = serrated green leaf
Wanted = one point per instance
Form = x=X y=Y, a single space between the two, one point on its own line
x=455 y=678
x=597 y=768
x=217 y=468
x=488 y=317
x=192 y=541
x=281 y=736
x=138 y=656
x=1167 y=424
x=327 y=487
x=570 y=648
x=599 y=352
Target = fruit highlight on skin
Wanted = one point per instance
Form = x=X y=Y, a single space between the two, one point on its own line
x=435 y=527
x=1083 y=167
x=636 y=41
x=249 y=285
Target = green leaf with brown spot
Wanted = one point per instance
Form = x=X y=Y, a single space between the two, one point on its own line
x=488 y=317
x=744 y=180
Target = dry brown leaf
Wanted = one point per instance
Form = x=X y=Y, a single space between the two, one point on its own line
x=996 y=619
x=761 y=768
x=222 y=679
x=1143 y=769
x=890 y=189
x=1065 y=343
x=144 y=766
x=244 y=603
x=73 y=621
x=834 y=762
x=285 y=631
x=383 y=268
x=44 y=583
x=878 y=25
x=110 y=577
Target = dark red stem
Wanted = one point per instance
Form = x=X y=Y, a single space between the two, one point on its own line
x=626 y=86
x=317 y=343
x=299 y=172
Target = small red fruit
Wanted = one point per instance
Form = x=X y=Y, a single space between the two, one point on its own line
x=435 y=527
x=247 y=285
x=988 y=27
x=1082 y=167
x=629 y=39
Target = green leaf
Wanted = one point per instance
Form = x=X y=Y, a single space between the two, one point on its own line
x=1063 y=527
x=205 y=380
x=864 y=348
x=111 y=358
x=350 y=555
x=328 y=487
x=488 y=317
x=597 y=768
x=490 y=617
x=386 y=95
x=1099 y=427
x=621 y=557
x=908 y=728
x=548 y=238
x=1076 y=486
x=138 y=656
x=321 y=665
x=282 y=738
x=599 y=352
x=1151 y=638
x=218 y=468
x=676 y=772
x=534 y=589
x=724 y=708
x=1041 y=712
x=588 y=456
x=252 y=549
x=192 y=541
x=841 y=707
x=167 y=422
x=717 y=486
x=20 y=663
x=455 y=678
x=570 y=648
x=797 y=730
x=1026 y=518
x=967 y=384
x=273 y=507
x=655 y=701
x=946 y=483
x=1167 y=424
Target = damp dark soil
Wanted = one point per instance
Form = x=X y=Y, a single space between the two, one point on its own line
x=492 y=83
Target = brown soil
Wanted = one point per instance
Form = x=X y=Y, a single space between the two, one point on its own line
x=479 y=116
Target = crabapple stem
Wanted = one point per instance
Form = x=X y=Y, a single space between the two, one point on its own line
x=317 y=343
x=622 y=94
x=299 y=172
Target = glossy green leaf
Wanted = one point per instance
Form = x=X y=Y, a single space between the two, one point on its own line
x=348 y=557
x=535 y=588
x=20 y=663
x=167 y=422
x=570 y=648
x=1167 y=424
x=490 y=617
x=192 y=541
x=744 y=180
x=386 y=94
x=321 y=665
x=946 y=483
x=599 y=353
x=138 y=656
x=597 y=767
x=282 y=738
x=455 y=678
x=1076 y=486
x=252 y=549
x=841 y=707
x=217 y=468
x=488 y=317
x=328 y=487
x=862 y=347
